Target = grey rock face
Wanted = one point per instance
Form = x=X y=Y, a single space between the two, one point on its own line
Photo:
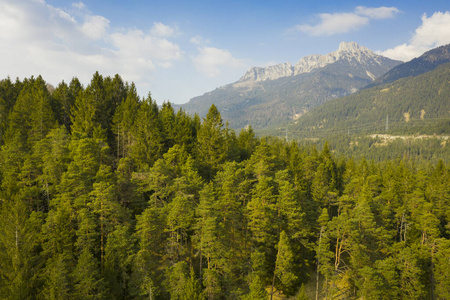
x=350 y=51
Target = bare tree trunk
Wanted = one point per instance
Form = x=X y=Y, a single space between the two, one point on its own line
x=318 y=265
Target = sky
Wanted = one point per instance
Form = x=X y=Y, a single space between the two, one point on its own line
x=177 y=50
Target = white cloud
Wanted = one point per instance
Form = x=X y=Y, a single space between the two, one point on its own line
x=377 y=12
x=79 y=5
x=38 y=38
x=198 y=40
x=95 y=27
x=161 y=30
x=334 y=23
x=337 y=23
x=434 y=32
x=135 y=43
x=211 y=61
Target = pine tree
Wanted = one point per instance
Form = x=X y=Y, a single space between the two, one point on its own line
x=20 y=260
x=115 y=94
x=148 y=144
x=58 y=283
x=104 y=206
x=147 y=274
x=64 y=100
x=262 y=213
x=211 y=147
x=182 y=283
x=168 y=125
x=289 y=209
x=206 y=231
x=123 y=121
x=119 y=254
x=185 y=130
x=323 y=254
x=86 y=276
x=247 y=143
x=284 y=267
x=257 y=289
x=83 y=116
x=52 y=154
x=441 y=265
x=32 y=116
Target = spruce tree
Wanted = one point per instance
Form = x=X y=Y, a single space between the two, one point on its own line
x=148 y=144
x=211 y=147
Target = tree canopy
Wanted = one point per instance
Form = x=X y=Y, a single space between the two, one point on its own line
x=104 y=195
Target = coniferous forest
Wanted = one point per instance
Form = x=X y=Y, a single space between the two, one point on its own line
x=105 y=195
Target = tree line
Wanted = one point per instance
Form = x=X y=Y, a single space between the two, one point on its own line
x=105 y=195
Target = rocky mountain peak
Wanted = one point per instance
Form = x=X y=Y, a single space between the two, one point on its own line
x=351 y=47
x=349 y=51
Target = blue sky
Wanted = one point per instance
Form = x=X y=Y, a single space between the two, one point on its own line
x=181 y=49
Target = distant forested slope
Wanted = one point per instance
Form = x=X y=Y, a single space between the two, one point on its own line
x=410 y=105
x=428 y=61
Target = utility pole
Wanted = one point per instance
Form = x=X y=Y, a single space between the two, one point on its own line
x=387 y=123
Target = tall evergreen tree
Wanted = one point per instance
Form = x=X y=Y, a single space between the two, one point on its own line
x=32 y=116
x=148 y=144
x=64 y=100
x=284 y=267
x=123 y=121
x=211 y=147
x=87 y=279
x=20 y=261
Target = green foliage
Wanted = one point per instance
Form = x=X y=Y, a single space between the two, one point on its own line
x=285 y=266
x=211 y=149
x=64 y=101
x=183 y=209
x=257 y=289
x=148 y=144
x=20 y=260
x=86 y=277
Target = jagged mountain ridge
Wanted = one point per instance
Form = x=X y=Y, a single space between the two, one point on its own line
x=273 y=95
x=347 y=51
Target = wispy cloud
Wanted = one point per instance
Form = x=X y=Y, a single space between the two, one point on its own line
x=162 y=30
x=434 y=32
x=79 y=5
x=334 y=23
x=337 y=23
x=198 y=40
x=211 y=61
x=377 y=12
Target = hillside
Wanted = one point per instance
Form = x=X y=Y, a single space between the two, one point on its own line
x=410 y=105
x=273 y=95
x=407 y=118
x=425 y=63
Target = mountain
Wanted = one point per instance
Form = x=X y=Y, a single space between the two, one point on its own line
x=273 y=95
x=351 y=52
x=425 y=63
x=412 y=105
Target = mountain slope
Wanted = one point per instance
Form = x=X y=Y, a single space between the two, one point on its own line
x=425 y=63
x=273 y=95
x=409 y=105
